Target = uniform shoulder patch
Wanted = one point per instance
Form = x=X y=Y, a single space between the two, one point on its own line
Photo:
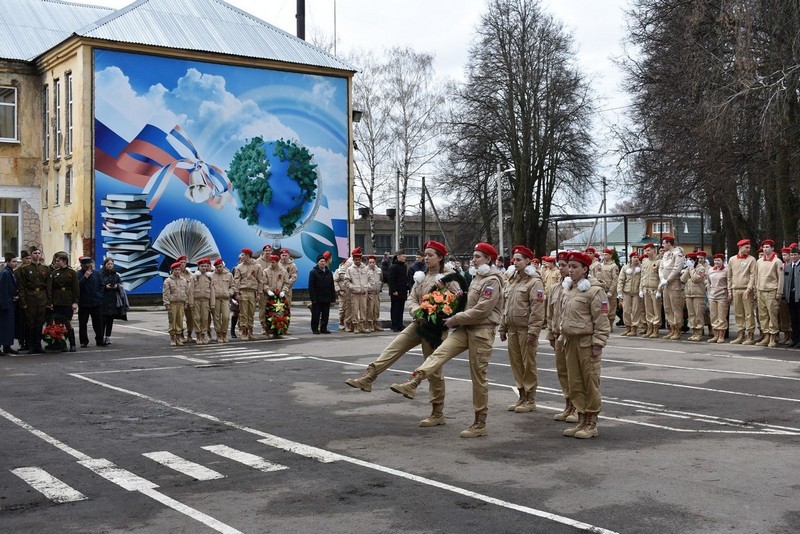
x=488 y=291
x=604 y=306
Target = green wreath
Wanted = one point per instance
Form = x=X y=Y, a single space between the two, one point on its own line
x=250 y=174
x=302 y=171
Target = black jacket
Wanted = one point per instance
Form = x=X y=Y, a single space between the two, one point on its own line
x=91 y=289
x=397 y=278
x=320 y=285
x=412 y=270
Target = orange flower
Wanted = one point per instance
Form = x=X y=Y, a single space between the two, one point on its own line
x=447 y=309
x=438 y=297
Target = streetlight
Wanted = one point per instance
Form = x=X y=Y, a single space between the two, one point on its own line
x=500 y=206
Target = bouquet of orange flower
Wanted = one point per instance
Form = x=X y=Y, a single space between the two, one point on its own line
x=436 y=306
x=53 y=335
x=278 y=314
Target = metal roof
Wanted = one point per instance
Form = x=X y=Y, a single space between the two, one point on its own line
x=200 y=25
x=28 y=28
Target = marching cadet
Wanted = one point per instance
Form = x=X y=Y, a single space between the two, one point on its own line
x=202 y=298
x=648 y=291
x=434 y=254
x=584 y=330
x=783 y=307
x=608 y=273
x=358 y=280
x=694 y=278
x=769 y=288
x=741 y=285
x=669 y=272
x=521 y=324
x=554 y=337
x=343 y=294
x=717 y=292
x=551 y=277
x=247 y=283
x=373 y=298
x=32 y=286
x=477 y=323
x=628 y=285
x=63 y=292
x=175 y=295
x=222 y=281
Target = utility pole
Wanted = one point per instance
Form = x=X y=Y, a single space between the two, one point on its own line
x=605 y=219
x=301 y=19
x=397 y=241
x=422 y=228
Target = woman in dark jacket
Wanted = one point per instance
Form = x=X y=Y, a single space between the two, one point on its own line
x=398 y=289
x=115 y=303
x=322 y=294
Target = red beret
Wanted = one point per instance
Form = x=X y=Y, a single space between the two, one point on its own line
x=370 y=257
x=580 y=257
x=218 y=261
x=357 y=252
x=786 y=249
x=487 y=249
x=596 y=255
x=769 y=242
x=180 y=258
x=760 y=250
x=666 y=237
x=536 y=260
x=548 y=259
x=563 y=255
x=608 y=251
x=284 y=251
x=649 y=245
x=267 y=246
x=691 y=255
x=247 y=251
x=438 y=247
x=204 y=261
x=274 y=257
x=720 y=256
x=792 y=245
x=702 y=253
x=743 y=242
x=327 y=254
x=175 y=265
x=525 y=251
x=590 y=250
x=634 y=254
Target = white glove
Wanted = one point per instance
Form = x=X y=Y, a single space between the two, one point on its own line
x=663 y=283
x=641 y=294
x=658 y=294
x=620 y=296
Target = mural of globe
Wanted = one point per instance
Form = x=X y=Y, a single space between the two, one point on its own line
x=293 y=187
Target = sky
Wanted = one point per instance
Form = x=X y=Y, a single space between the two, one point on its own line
x=445 y=28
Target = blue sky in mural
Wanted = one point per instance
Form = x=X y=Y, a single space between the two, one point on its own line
x=217 y=109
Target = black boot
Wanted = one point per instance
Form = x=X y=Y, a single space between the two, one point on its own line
x=234 y=320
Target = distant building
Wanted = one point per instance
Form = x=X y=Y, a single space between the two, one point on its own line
x=412 y=238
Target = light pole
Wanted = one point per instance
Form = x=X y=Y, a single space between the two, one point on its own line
x=500 y=206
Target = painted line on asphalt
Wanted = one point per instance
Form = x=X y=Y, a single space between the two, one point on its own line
x=48 y=485
x=118 y=371
x=184 y=466
x=701 y=369
x=160 y=332
x=261 y=356
x=300 y=448
x=119 y=476
x=250 y=460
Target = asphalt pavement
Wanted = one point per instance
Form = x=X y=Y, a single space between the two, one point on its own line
x=265 y=437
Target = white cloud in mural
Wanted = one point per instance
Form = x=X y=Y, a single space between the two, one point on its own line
x=323 y=92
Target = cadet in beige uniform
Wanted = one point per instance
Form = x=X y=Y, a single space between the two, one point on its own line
x=521 y=324
x=584 y=330
x=608 y=273
x=694 y=278
x=717 y=293
x=551 y=277
x=434 y=255
x=201 y=298
x=358 y=281
x=247 y=283
x=628 y=290
x=222 y=280
x=290 y=267
x=669 y=272
x=373 y=296
x=343 y=294
x=175 y=295
x=477 y=324
x=741 y=287
x=648 y=290
x=769 y=288
x=569 y=413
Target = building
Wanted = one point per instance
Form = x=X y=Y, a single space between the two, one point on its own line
x=119 y=130
x=412 y=237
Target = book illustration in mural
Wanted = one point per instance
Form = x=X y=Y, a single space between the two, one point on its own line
x=185 y=237
x=126 y=237
x=277 y=184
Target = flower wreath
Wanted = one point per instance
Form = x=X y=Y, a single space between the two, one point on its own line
x=436 y=306
x=54 y=334
x=278 y=313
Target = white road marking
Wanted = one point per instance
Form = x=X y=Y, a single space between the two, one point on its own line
x=160 y=332
x=260 y=356
x=250 y=460
x=188 y=358
x=181 y=465
x=133 y=370
x=304 y=450
x=48 y=485
x=121 y=477
x=702 y=369
x=287 y=359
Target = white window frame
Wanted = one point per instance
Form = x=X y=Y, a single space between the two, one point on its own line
x=57 y=133
x=659 y=227
x=18 y=214
x=69 y=121
x=15 y=107
x=46 y=122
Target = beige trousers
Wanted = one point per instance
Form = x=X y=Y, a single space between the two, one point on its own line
x=768 y=312
x=222 y=315
x=247 y=308
x=583 y=373
x=561 y=366
x=673 y=303
x=652 y=307
x=200 y=312
x=358 y=314
x=175 y=317
x=695 y=307
x=632 y=310
x=719 y=314
x=373 y=308
x=522 y=357
x=743 y=311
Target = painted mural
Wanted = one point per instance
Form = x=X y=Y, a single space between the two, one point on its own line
x=201 y=159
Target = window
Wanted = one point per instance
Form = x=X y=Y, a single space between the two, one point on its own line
x=383 y=243
x=662 y=228
x=57 y=190
x=359 y=240
x=57 y=126
x=45 y=192
x=10 y=225
x=46 y=122
x=436 y=237
x=8 y=114
x=411 y=243
x=68 y=100
x=68 y=186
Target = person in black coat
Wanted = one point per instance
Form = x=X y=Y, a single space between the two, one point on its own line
x=8 y=299
x=90 y=303
x=113 y=294
x=418 y=265
x=398 y=289
x=322 y=294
